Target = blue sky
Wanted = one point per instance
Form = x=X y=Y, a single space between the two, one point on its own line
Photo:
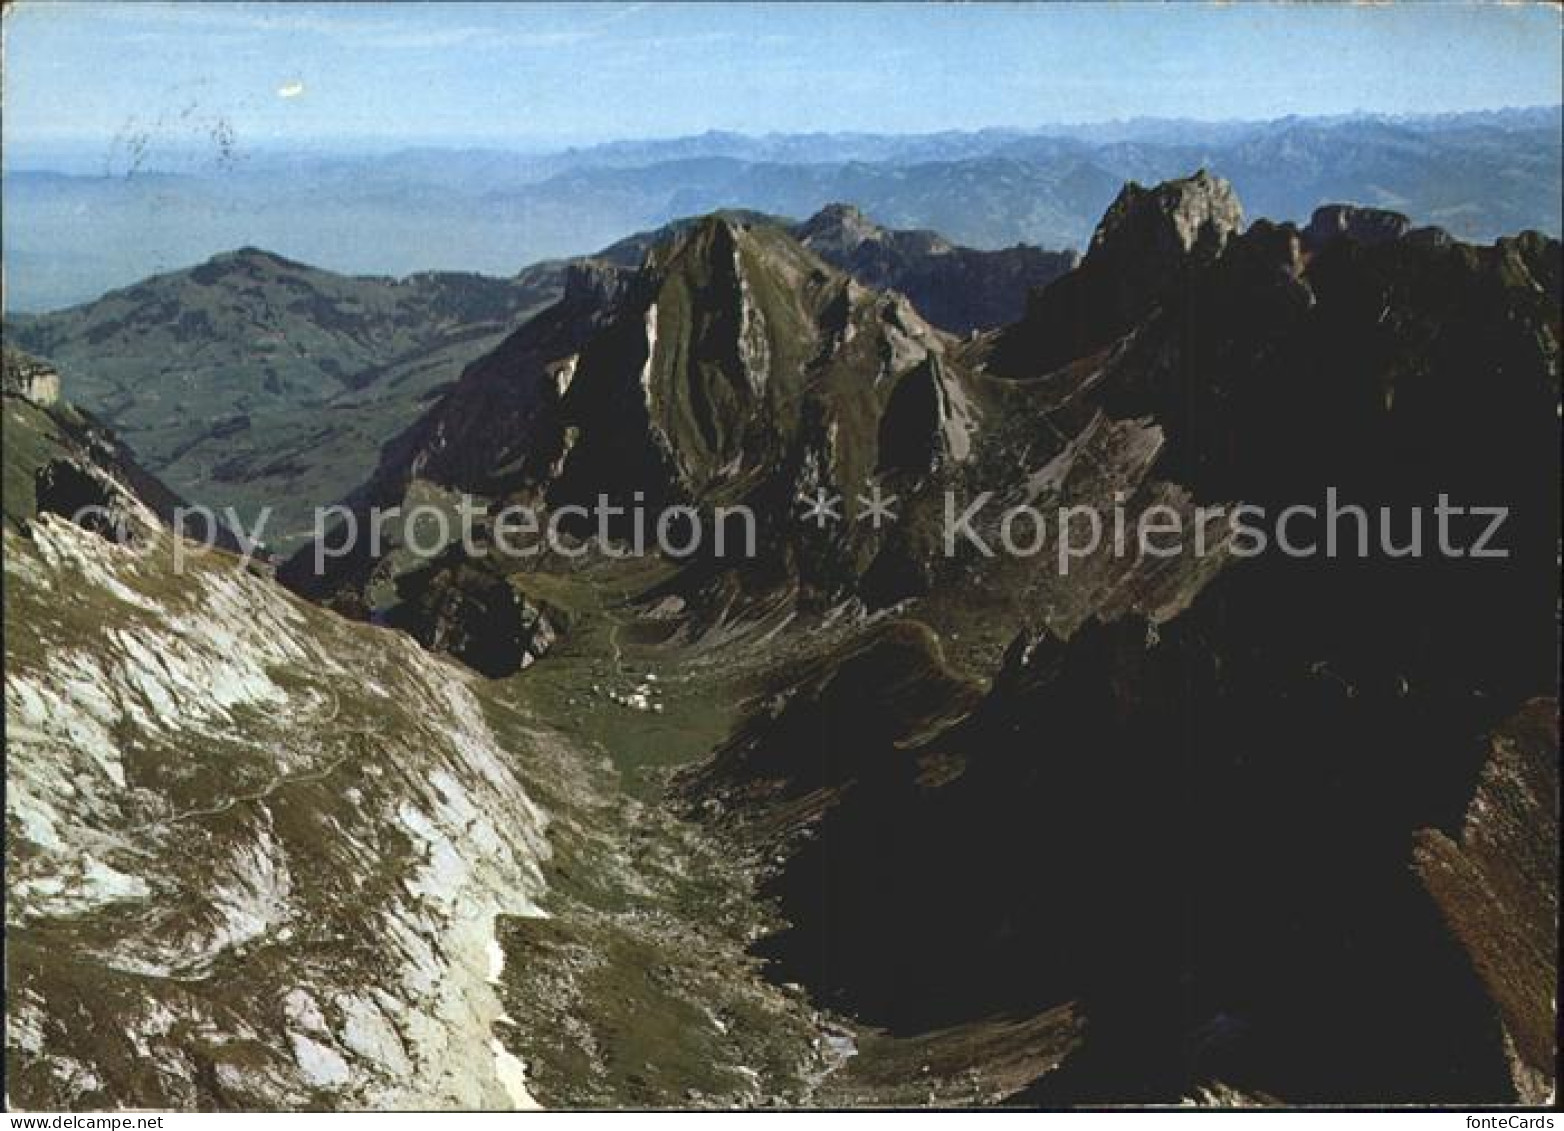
x=539 y=75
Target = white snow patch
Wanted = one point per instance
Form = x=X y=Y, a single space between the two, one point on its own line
x=320 y=1065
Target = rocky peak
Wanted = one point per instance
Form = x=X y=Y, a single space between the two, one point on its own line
x=1175 y=218
x=844 y=236
x=929 y=420
x=1361 y=225
x=1144 y=247
x=711 y=235
x=685 y=374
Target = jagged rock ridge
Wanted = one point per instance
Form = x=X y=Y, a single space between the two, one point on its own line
x=958 y=289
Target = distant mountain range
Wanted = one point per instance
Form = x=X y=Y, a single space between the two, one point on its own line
x=72 y=235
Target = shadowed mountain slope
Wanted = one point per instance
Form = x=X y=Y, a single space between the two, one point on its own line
x=255 y=381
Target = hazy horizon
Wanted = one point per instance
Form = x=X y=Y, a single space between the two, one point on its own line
x=544 y=77
x=78 y=151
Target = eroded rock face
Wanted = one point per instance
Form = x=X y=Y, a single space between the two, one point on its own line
x=483 y=620
x=280 y=891
x=1496 y=883
x=959 y=289
x=595 y=283
x=839 y=230
x=1171 y=219
x=1147 y=244
x=928 y=420
x=734 y=367
x=89 y=499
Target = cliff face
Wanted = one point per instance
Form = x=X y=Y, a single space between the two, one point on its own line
x=733 y=367
x=1361 y=225
x=282 y=892
x=1496 y=883
x=1147 y=243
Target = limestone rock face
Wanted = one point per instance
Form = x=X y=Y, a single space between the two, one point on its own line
x=1189 y=774
x=1496 y=882
x=595 y=282
x=734 y=366
x=1148 y=243
x=928 y=420
x=480 y=619
x=838 y=230
x=1149 y=238
x=255 y=851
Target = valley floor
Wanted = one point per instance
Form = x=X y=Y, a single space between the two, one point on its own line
x=266 y=857
x=640 y=989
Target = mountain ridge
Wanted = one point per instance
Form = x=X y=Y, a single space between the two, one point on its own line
x=252 y=379
x=1145 y=827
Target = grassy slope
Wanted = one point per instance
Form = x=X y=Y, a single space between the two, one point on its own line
x=253 y=381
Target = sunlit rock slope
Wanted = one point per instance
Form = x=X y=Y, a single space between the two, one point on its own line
x=254 y=852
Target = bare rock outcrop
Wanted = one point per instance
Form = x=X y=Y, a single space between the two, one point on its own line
x=30 y=379
x=1496 y=882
